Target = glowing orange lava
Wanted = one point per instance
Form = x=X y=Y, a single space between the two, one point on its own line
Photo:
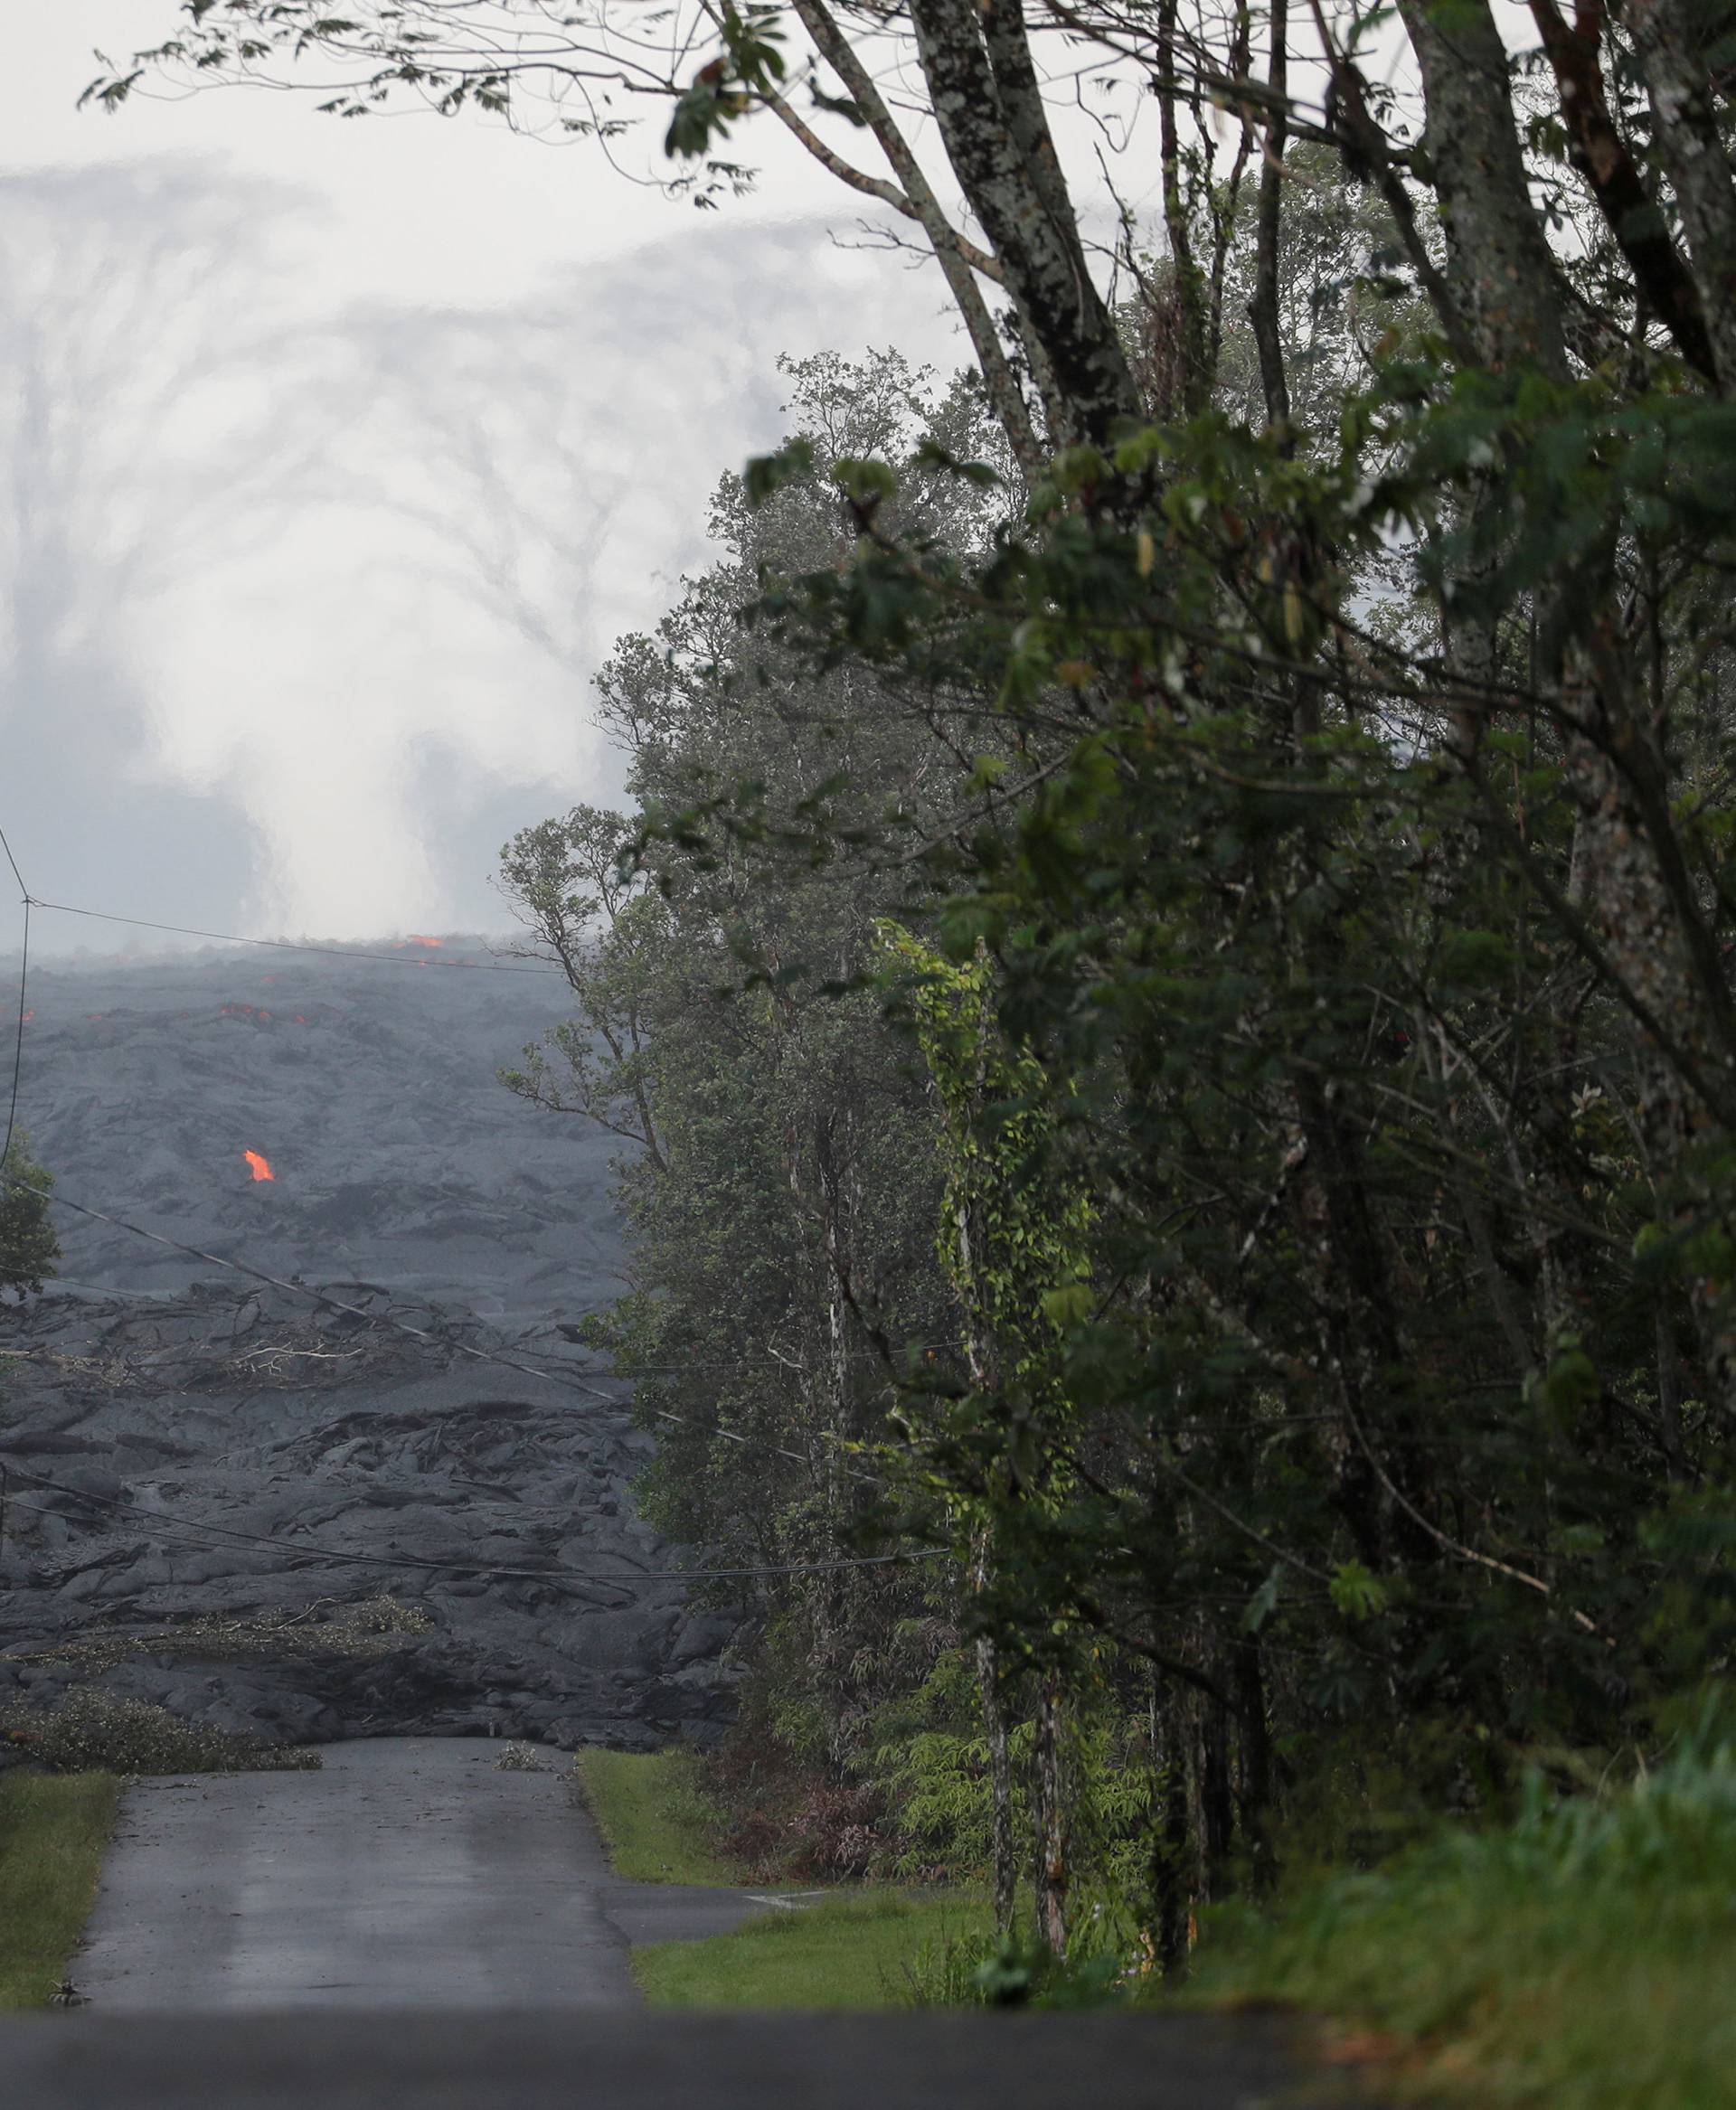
x=261 y=1167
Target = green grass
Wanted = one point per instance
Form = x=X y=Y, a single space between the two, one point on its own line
x=654 y=1818
x=850 y=1952
x=1582 y=1959
x=52 y=1831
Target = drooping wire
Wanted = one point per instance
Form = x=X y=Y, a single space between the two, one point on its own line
x=419 y=1333
x=313 y=1551
x=24 y=984
x=312 y=1296
x=18 y=1040
x=290 y=944
x=11 y=861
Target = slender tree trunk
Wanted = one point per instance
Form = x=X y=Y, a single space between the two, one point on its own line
x=1171 y=1895
x=1262 y=305
x=959 y=261
x=1001 y=1853
x=1671 y=44
x=986 y=100
x=1055 y=1871
x=1255 y=1801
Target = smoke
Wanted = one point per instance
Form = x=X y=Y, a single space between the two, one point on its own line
x=298 y=612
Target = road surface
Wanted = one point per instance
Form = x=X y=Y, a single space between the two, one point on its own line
x=413 y=1929
x=406 y=1873
x=628 y=2061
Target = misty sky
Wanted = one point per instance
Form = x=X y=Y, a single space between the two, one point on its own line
x=333 y=457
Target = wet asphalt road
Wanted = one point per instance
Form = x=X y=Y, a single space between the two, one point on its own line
x=413 y=1929
x=628 y=2061
x=405 y=1874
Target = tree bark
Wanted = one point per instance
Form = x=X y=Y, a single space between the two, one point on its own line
x=1494 y=242
x=1262 y=305
x=1690 y=139
x=1003 y=1860
x=1053 y=1846
x=1600 y=155
x=958 y=259
x=983 y=111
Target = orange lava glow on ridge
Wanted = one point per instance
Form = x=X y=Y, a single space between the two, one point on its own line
x=259 y=1166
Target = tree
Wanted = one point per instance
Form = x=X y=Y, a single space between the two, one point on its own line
x=28 y=1246
x=1336 y=784
x=778 y=1182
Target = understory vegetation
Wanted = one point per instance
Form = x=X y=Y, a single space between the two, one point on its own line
x=860 y=1950
x=88 y=1731
x=655 y=1817
x=52 y=1832
x=1581 y=1955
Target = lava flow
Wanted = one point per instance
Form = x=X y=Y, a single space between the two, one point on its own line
x=261 y=1167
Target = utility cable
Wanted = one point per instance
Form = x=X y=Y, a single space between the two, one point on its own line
x=18 y=1040
x=427 y=1340
x=24 y=984
x=618 y=1578
x=290 y=944
x=312 y=1296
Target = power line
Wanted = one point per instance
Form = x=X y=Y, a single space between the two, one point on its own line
x=312 y=1296
x=419 y=1333
x=18 y=1041
x=620 y=1579
x=11 y=861
x=336 y=952
x=24 y=981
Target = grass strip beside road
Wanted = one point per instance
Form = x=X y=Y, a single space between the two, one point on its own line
x=654 y=1817
x=53 y=1828
x=851 y=1951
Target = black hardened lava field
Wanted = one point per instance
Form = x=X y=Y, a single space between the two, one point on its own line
x=190 y=1451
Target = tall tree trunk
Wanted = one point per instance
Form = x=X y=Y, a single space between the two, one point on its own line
x=1172 y=1893
x=1055 y=1872
x=1496 y=244
x=987 y=102
x=1255 y=1801
x=1263 y=305
x=1001 y=1853
x=1672 y=46
x=959 y=261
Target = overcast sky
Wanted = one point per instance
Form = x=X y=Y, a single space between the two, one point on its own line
x=339 y=453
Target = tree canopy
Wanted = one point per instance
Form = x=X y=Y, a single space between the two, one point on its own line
x=1173 y=972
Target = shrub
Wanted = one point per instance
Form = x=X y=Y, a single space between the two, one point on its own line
x=94 y=1731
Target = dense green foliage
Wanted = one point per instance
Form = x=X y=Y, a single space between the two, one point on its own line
x=1579 y=1957
x=1129 y=1095
x=28 y=1246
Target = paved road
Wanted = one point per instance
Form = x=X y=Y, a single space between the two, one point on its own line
x=447 y=1936
x=407 y=1873
x=624 y=2060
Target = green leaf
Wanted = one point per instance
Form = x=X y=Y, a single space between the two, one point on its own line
x=768 y=473
x=1357 y=1592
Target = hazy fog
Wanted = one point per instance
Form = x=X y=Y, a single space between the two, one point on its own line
x=330 y=468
